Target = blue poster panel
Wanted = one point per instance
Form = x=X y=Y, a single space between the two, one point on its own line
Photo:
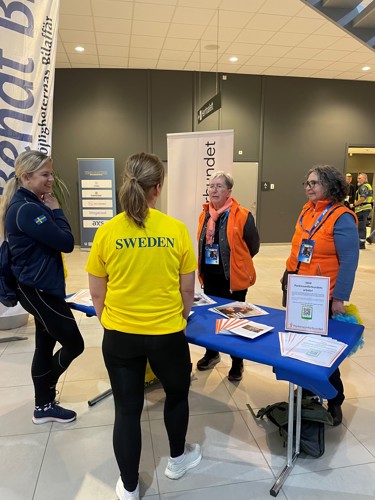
x=97 y=195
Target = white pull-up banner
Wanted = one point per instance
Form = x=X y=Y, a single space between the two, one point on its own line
x=28 y=38
x=192 y=159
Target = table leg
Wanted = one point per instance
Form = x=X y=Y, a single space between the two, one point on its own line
x=99 y=397
x=12 y=339
x=291 y=455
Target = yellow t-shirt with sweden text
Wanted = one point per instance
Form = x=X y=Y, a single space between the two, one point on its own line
x=143 y=267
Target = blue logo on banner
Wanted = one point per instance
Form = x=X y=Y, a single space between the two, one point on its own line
x=40 y=219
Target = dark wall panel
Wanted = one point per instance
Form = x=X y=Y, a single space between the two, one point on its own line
x=97 y=114
x=171 y=107
x=307 y=121
x=241 y=111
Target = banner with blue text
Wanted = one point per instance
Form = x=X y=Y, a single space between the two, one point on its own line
x=28 y=38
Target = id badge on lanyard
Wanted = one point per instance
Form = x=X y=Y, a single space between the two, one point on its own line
x=212 y=254
x=306 y=251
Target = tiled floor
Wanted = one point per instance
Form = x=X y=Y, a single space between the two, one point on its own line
x=241 y=455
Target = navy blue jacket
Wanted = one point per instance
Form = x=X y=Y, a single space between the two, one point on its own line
x=37 y=235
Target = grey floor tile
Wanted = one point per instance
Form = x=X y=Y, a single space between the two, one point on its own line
x=20 y=461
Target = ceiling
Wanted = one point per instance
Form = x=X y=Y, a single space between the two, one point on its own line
x=269 y=37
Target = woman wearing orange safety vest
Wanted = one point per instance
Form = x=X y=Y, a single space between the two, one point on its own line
x=227 y=243
x=329 y=231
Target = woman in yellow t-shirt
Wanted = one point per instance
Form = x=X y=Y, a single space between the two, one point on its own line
x=141 y=277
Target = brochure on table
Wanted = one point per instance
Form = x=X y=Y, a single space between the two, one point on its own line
x=201 y=299
x=314 y=349
x=238 y=310
x=307 y=304
x=82 y=297
x=243 y=327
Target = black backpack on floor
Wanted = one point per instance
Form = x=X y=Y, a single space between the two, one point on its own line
x=313 y=418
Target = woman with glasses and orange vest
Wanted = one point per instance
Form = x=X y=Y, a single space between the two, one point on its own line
x=329 y=230
x=228 y=241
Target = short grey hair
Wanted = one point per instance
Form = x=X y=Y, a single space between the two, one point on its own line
x=229 y=182
x=363 y=175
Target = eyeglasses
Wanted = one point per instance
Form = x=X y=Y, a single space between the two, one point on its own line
x=310 y=184
x=217 y=186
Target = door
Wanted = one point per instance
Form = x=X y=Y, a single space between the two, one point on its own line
x=245 y=189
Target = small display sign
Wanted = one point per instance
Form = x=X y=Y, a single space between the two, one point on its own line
x=97 y=195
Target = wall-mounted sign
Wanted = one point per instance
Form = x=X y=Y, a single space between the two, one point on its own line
x=97 y=195
x=209 y=107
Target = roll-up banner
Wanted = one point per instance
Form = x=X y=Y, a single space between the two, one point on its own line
x=192 y=158
x=28 y=38
x=97 y=196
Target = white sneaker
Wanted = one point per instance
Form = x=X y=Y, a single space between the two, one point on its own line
x=192 y=457
x=124 y=494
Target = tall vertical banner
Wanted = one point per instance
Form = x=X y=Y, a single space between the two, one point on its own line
x=28 y=38
x=192 y=158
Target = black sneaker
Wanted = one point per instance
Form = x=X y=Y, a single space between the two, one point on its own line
x=235 y=373
x=208 y=362
x=53 y=413
x=336 y=414
x=369 y=240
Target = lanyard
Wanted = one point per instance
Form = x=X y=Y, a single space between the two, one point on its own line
x=317 y=222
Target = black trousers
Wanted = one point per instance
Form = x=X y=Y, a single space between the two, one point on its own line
x=335 y=379
x=54 y=322
x=125 y=357
x=218 y=286
x=362 y=222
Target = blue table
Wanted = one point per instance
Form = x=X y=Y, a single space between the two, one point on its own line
x=266 y=350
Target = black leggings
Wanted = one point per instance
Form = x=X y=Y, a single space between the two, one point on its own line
x=54 y=322
x=125 y=357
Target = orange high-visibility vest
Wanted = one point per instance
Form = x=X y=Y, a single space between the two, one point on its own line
x=324 y=261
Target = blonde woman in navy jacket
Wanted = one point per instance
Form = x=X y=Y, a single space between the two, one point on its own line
x=38 y=232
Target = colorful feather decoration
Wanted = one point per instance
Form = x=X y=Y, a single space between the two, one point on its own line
x=352 y=316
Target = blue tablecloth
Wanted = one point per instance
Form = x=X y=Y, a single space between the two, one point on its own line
x=266 y=349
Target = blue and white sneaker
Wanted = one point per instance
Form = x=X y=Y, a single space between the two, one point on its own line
x=52 y=412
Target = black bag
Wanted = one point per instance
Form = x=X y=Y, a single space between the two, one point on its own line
x=8 y=283
x=313 y=418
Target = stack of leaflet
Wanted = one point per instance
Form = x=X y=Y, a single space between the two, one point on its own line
x=243 y=327
x=201 y=299
x=238 y=310
x=314 y=349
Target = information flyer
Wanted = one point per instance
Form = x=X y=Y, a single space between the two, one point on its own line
x=307 y=304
